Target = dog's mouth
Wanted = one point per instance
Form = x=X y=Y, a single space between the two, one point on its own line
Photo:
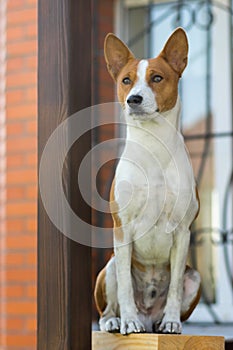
x=142 y=114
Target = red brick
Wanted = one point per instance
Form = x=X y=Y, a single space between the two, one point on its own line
x=21 y=111
x=15 y=64
x=31 y=62
x=106 y=27
x=31 y=259
x=15 y=4
x=21 y=147
x=31 y=324
x=14 y=161
x=21 y=341
x=31 y=291
x=21 y=16
x=14 y=129
x=32 y=2
x=24 y=144
x=14 y=96
x=14 y=259
x=23 y=48
x=14 y=225
x=15 y=33
x=14 y=291
x=31 y=127
x=31 y=30
x=20 y=209
x=104 y=76
x=21 y=241
x=31 y=224
x=15 y=193
x=31 y=94
x=31 y=159
x=21 y=79
x=13 y=323
x=22 y=276
x=31 y=192
x=105 y=9
x=21 y=176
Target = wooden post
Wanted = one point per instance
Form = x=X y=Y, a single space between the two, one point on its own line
x=107 y=341
x=64 y=266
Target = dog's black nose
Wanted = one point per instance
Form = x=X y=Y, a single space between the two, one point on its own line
x=134 y=100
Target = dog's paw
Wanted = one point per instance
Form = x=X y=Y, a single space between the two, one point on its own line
x=171 y=323
x=113 y=325
x=173 y=327
x=131 y=325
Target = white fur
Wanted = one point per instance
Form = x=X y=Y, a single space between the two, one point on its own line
x=149 y=105
x=155 y=194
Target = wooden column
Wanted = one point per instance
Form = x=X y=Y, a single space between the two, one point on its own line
x=64 y=266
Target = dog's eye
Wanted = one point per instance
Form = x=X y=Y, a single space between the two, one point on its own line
x=157 y=78
x=126 y=81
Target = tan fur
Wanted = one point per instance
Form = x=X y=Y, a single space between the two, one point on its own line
x=187 y=314
x=136 y=264
x=100 y=291
x=118 y=233
x=121 y=63
x=169 y=65
x=176 y=58
x=129 y=70
x=166 y=91
x=116 y=54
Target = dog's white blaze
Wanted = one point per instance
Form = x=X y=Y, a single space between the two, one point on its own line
x=141 y=72
x=141 y=83
x=148 y=105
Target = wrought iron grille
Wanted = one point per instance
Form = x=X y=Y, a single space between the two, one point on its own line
x=209 y=142
x=202 y=139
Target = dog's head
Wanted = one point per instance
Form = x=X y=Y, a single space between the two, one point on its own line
x=147 y=87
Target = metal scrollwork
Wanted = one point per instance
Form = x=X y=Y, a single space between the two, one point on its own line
x=204 y=16
x=218 y=237
x=184 y=10
x=201 y=14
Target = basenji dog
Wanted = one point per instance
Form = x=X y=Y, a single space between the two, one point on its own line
x=146 y=286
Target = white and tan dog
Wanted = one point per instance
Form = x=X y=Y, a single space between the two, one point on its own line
x=146 y=285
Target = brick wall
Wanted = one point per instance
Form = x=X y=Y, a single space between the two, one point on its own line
x=2 y=166
x=18 y=163
x=18 y=282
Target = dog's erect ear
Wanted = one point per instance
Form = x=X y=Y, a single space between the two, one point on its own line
x=116 y=54
x=175 y=51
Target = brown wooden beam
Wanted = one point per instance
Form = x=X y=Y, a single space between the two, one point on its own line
x=64 y=84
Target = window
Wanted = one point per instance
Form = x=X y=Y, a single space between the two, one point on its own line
x=206 y=95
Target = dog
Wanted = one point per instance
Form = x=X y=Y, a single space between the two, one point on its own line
x=146 y=285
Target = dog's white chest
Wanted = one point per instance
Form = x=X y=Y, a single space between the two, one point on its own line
x=150 y=189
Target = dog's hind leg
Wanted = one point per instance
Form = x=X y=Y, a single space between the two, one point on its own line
x=191 y=292
x=106 y=298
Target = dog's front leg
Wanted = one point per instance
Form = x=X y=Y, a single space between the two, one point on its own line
x=171 y=320
x=130 y=322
